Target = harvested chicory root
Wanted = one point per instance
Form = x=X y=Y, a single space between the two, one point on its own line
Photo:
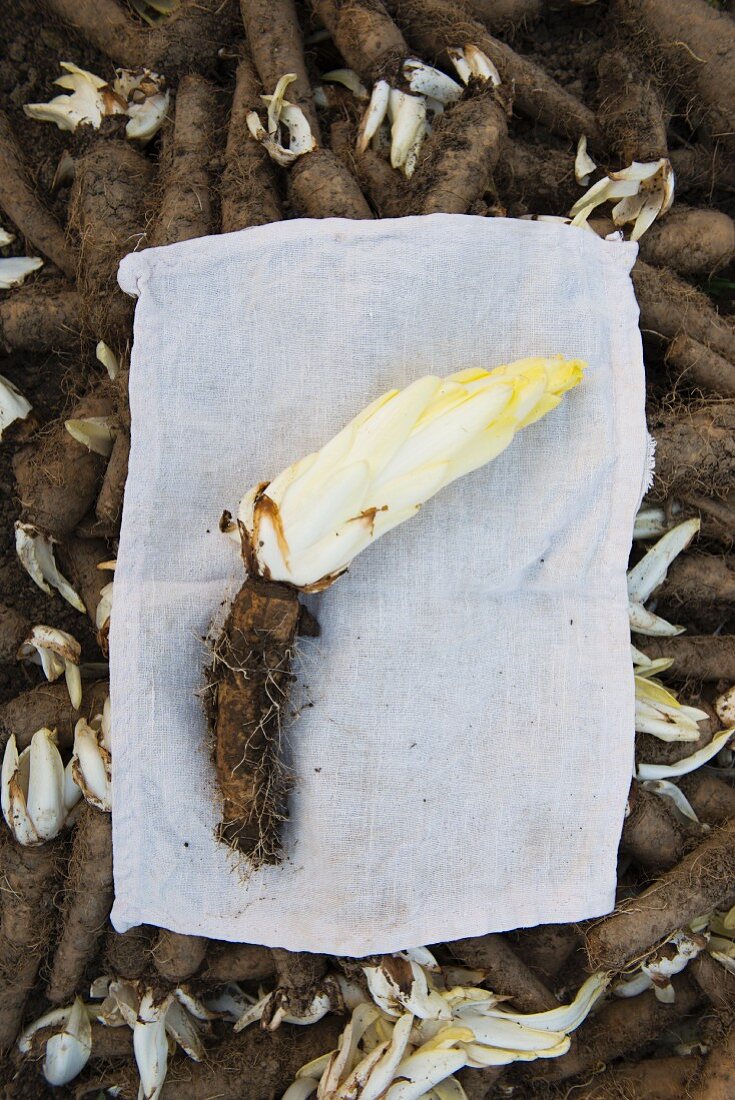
x=29 y=877
x=717 y=983
x=457 y=162
x=14 y=629
x=504 y=16
x=434 y=27
x=700 y=366
x=192 y=34
x=322 y=186
x=535 y=179
x=620 y=1027
x=79 y=559
x=695 y=450
x=86 y=905
x=546 y=948
x=237 y=962
x=177 y=957
x=112 y=189
x=653 y=836
x=129 y=954
x=249 y=187
x=690 y=240
x=59 y=478
x=385 y=188
x=631 y=111
x=709 y=657
x=108 y=508
x=652 y=1079
x=506 y=973
x=301 y=531
x=19 y=201
x=39 y=319
x=712 y=800
x=669 y=305
x=48 y=706
x=275 y=42
x=699 y=588
x=694 y=44
x=716 y=1077
x=186 y=207
x=703 y=881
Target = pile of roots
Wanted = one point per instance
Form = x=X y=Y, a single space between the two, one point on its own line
x=392 y=108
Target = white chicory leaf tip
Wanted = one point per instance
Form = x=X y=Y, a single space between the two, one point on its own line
x=13 y=405
x=35 y=552
x=305 y=527
x=641 y=192
x=91 y=762
x=14 y=269
x=38 y=793
x=56 y=652
x=288 y=135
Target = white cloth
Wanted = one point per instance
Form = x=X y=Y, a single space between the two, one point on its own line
x=464 y=764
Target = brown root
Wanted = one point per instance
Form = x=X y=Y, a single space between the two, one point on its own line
x=689 y=240
x=129 y=954
x=237 y=962
x=546 y=948
x=712 y=800
x=620 y=1027
x=250 y=675
x=275 y=41
x=652 y=750
x=693 y=44
x=652 y=1079
x=14 y=629
x=323 y=187
x=19 y=201
x=40 y=318
x=652 y=834
x=48 y=705
x=186 y=209
x=108 y=508
x=631 y=112
x=695 y=450
x=698 y=591
x=504 y=16
x=249 y=189
x=177 y=957
x=700 y=170
x=366 y=36
x=535 y=179
x=112 y=188
x=191 y=35
x=669 y=306
x=700 y=883
x=695 y=658
x=59 y=478
x=507 y=974
x=717 y=984
x=79 y=559
x=457 y=161
x=385 y=187
x=717 y=516
x=28 y=879
x=716 y=1079
x=86 y=905
x=432 y=26
x=696 y=364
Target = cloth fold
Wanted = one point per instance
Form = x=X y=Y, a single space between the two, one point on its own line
x=463 y=732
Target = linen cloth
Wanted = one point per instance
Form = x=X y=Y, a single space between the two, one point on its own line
x=463 y=761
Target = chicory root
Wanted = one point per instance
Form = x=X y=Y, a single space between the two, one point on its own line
x=249 y=188
x=39 y=319
x=618 y=1028
x=48 y=706
x=19 y=201
x=237 y=962
x=652 y=1079
x=712 y=800
x=366 y=36
x=433 y=27
x=690 y=240
x=58 y=478
x=186 y=208
x=631 y=111
x=113 y=185
x=695 y=450
x=700 y=588
x=322 y=186
x=507 y=974
x=717 y=984
x=29 y=877
x=108 y=508
x=457 y=160
x=669 y=306
x=80 y=558
x=193 y=33
x=698 y=658
x=178 y=957
x=14 y=629
x=503 y=16
x=250 y=673
x=129 y=954
x=652 y=834
x=535 y=179
x=716 y=1078
x=546 y=948
x=386 y=188
x=694 y=43
x=700 y=366
x=700 y=883
x=86 y=905
x=275 y=42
